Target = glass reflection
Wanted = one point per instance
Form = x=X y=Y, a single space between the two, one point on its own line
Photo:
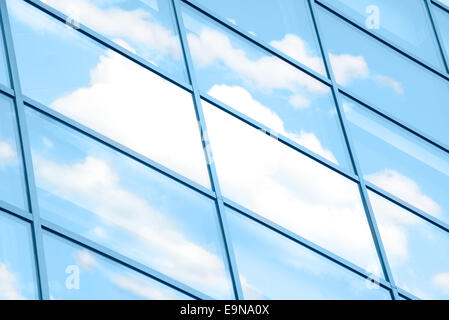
x=284 y=24
x=403 y=22
x=125 y=206
x=400 y=162
x=106 y=92
x=442 y=20
x=144 y=27
x=417 y=250
x=12 y=188
x=17 y=269
x=290 y=189
x=387 y=80
x=4 y=75
x=265 y=88
x=77 y=273
x=446 y=2
x=273 y=267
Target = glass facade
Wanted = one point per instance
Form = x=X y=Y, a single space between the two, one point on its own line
x=205 y=149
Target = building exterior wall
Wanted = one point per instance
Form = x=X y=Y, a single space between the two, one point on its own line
x=206 y=149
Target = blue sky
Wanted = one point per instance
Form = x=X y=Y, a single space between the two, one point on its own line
x=12 y=187
x=106 y=197
x=403 y=22
x=78 y=273
x=17 y=268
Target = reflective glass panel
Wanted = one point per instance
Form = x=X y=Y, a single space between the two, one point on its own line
x=442 y=21
x=404 y=22
x=106 y=92
x=4 y=76
x=108 y=198
x=17 y=268
x=284 y=24
x=290 y=189
x=417 y=250
x=386 y=79
x=446 y=2
x=400 y=162
x=274 y=267
x=12 y=188
x=265 y=88
x=144 y=27
x=77 y=273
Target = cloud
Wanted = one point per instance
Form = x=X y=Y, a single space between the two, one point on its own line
x=290 y=189
x=299 y=101
x=93 y=184
x=135 y=25
x=240 y=99
x=267 y=72
x=446 y=2
x=251 y=292
x=8 y=284
x=441 y=280
x=29 y=16
x=296 y=48
x=405 y=189
x=347 y=67
x=140 y=289
x=406 y=238
x=85 y=259
x=141 y=111
x=7 y=153
x=389 y=82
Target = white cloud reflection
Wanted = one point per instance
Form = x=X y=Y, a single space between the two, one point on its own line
x=9 y=289
x=290 y=189
x=94 y=185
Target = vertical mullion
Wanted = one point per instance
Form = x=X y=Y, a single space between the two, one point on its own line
x=208 y=154
x=25 y=149
x=436 y=31
x=363 y=190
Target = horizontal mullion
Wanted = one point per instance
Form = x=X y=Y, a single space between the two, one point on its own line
x=96 y=37
x=405 y=205
x=282 y=139
x=6 y=91
x=393 y=119
x=121 y=259
x=305 y=243
x=118 y=147
x=258 y=42
x=15 y=211
x=381 y=39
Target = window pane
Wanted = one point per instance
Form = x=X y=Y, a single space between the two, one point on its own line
x=145 y=27
x=108 y=198
x=417 y=250
x=78 y=273
x=442 y=20
x=284 y=24
x=12 y=187
x=265 y=88
x=274 y=267
x=403 y=22
x=102 y=90
x=399 y=162
x=17 y=269
x=386 y=79
x=290 y=189
x=4 y=76
x=446 y=2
